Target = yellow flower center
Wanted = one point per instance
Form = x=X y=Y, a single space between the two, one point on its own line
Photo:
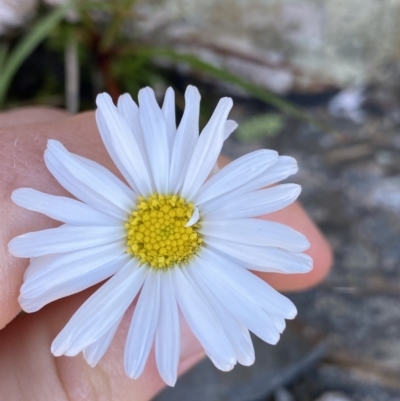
x=157 y=232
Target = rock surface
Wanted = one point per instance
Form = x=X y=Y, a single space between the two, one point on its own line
x=282 y=44
x=351 y=187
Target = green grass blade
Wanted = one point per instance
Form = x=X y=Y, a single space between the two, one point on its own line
x=24 y=48
x=216 y=72
x=3 y=54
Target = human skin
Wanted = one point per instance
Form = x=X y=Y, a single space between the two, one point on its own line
x=28 y=371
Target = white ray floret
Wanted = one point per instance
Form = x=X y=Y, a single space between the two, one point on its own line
x=183 y=247
x=226 y=180
x=167 y=341
x=185 y=138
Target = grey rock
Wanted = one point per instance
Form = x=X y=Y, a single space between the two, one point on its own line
x=283 y=395
x=333 y=396
x=205 y=382
x=284 y=45
x=356 y=310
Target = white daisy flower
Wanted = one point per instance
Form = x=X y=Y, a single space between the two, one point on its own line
x=169 y=238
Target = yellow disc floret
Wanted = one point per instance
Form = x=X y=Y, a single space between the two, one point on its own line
x=157 y=232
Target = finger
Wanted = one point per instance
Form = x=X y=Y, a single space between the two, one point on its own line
x=21 y=165
x=320 y=251
x=28 y=370
x=30 y=115
x=20 y=116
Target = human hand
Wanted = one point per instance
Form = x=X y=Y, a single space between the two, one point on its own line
x=27 y=368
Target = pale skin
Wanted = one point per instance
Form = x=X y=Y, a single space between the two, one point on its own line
x=28 y=371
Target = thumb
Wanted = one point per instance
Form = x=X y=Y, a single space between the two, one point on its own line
x=28 y=370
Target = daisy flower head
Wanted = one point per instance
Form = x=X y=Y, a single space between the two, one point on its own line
x=168 y=237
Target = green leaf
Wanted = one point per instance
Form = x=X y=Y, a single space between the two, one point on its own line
x=3 y=54
x=216 y=72
x=25 y=47
x=121 y=10
x=259 y=127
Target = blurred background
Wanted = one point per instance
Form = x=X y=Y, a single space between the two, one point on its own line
x=315 y=79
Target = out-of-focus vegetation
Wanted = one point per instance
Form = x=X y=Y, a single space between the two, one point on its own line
x=260 y=126
x=81 y=48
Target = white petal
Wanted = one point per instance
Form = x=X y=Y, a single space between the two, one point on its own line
x=107 y=175
x=237 y=335
x=203 y=321
x=265 y=259
x=279 y=323
x=104 y=192
x=94 y=352
x=143 y=326
x=242 y=306
x=256 y=232
x=230 y=126
x=101 y=311
x=61 y=208
x=185 y=139
x=248 y=286
x=250 y=348
x=82 y=191
x=130 y=111
x=94 y=169
x=122 y=145
x=70 y=274
x=253 y=204
x=167 y=342
x=64 y=264
x=36 y=263
x=155 y=137
x=168 y=109
x=284 y=167
x=280 y=170
x=194 y=219
x=121 y=160
x=207 y=150
x=236 y=174
x=66 y=238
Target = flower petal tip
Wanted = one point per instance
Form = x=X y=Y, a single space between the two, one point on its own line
x=13 y=247
x=309 y=263
x=89 y=360
x=227 y=368
x=292 y=314
x=305 y=245
x=192 y=92
x=15 y=195
x=56 y=351
x=53 y=143
x=91 y=363
x=133 y=374
x=146 y=92
x=104 y=100
x=275 y=339
x=227 y=102
x=26 y=305
x=296 y=189
x=248 y=360
x=170 y=381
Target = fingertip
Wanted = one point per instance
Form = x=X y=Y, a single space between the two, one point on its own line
x=320 y=251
